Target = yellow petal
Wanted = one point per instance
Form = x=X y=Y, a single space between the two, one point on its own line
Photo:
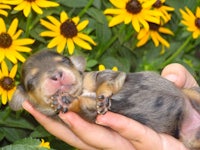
x=22 y=49
x=10 y=93
x=13 y=71
x=166 y=31
x=86 y=38
x=49 y=33
x=3 y=12
x=154 y=38
x=198 y=12
x=113 y=11
x=27 y=10
x=45 y=3
x=61 y=45
x=24 y=41
x=4 y=97
x=2 y=56
x=17 y=34
x=19 y=56
x=13 y=27
x=101 y=67
x=54 y=20
x=82 y=25
x=55 y=41
x=135 y=24
x=4 y=68
x=63 y=17
x=115 y=68
x=70 y=45
x=143 y=40
x=116 y=20
x=82 y=43
x=3 y=26
x=21 y=6
x=76 y=20
x=118 y=3
x=163 y=41
x=10 y=56
x=36 y=8
x=49 y=25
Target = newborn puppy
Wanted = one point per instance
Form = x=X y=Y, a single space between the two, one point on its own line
x=54 y=83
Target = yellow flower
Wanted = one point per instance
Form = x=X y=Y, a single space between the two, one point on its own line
x=66 y=31
x=159 y=5
x=36 y=5
x=2 y=11
x=44 y=144
x=136 y=11
x=10 y=45
x=7 y=82
x=191 y=21
x=143 y=36
x=102 y=67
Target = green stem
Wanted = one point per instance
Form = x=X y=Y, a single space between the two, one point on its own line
x=84 y=10
x=28 y=25
x=181 y=48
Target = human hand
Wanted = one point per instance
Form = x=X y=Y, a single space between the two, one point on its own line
x=127 y=134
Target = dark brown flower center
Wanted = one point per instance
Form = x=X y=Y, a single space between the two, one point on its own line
x=153 y=26
x=197 y=22
x=68 y=29
x=7 y=83
x=157 y=4
x=5 y=40
x=133 y=6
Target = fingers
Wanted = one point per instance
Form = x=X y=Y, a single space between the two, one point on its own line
x=95 y=135
x=141 y=137
x=179 y=75
x=56 y=128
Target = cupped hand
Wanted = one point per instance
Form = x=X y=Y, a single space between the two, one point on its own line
x=123 y=133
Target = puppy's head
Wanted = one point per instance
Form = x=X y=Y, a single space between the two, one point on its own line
x=45 y=74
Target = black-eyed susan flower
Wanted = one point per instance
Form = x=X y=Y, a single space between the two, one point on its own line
x=138 y=12
x=7 y=82
x=191 y=21
x=153 y=33
x=10 y=45
x=67 y=31
x=44 y=144
x=102 y=67
x=27 y=5
x=159 y=5
x=3 y=8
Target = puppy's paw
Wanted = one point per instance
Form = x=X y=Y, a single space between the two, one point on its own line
x=103 y=104
x=60 y=102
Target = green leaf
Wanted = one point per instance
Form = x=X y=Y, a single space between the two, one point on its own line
x=73 y=3
x=25 y=144
x=13 y=121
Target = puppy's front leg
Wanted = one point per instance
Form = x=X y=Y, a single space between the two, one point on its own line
x=106 y=90
x=85 y=107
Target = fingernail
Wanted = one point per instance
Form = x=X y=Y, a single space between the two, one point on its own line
x=171 y=77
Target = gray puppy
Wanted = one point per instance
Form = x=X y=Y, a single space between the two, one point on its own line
x=54 y=83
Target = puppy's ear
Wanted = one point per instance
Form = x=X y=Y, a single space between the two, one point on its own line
x=79 y=62
x=18 y=98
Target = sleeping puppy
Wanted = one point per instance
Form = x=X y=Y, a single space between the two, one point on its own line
x=54 y=83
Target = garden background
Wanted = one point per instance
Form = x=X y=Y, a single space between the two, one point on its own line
x=167 y=35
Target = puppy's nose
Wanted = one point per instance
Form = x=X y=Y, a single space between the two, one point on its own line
x=57 y=76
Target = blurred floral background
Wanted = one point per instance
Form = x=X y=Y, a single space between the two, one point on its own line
x=125 y=35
